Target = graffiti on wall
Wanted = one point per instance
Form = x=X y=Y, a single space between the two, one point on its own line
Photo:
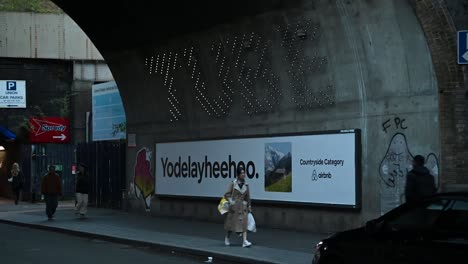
x=395 y=165
x=397 y=123
x=143 y=182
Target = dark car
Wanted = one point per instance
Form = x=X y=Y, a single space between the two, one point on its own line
x=434 y=230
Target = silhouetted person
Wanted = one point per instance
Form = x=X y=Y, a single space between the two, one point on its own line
x=82 y=189
x=51 y=189
x=17 y=181
x=419 y=182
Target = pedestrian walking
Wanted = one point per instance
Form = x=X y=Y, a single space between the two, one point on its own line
x=419 y=182
x=51 y=188
x=17 y=181
x=82 y=190
x=238 y=195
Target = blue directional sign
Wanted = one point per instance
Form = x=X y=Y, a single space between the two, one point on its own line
x=462 y=47
x=108 y=113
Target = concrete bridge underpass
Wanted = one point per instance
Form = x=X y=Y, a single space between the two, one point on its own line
x=190 y=70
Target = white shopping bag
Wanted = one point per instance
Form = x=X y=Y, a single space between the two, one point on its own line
x=251 y=223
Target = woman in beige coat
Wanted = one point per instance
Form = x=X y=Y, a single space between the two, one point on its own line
x=238 y=195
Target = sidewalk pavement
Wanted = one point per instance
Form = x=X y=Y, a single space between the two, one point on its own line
x=167 y=233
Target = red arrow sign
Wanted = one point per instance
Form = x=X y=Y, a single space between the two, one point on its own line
x=49 y=130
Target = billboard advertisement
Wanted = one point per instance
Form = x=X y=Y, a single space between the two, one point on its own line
x=322 y=168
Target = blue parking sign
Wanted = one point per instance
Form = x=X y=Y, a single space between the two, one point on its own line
x=11 y=86
x=462 y=47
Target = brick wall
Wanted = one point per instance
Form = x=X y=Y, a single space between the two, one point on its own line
x=440 y=32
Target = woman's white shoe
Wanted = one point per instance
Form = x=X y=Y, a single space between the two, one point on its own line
x=226 y=241
x=246 y=243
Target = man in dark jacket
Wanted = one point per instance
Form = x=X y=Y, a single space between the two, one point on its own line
x=51 y=188
x=419 y=182
x=82 y=190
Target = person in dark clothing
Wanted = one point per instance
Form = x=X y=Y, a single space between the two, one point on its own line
x=17 y=181
x=82 y=190
x=51 y=188
x=419 y=182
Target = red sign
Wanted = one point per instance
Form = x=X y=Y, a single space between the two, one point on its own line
x=49 y=130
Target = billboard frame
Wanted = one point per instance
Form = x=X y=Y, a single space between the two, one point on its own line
x=276 y=203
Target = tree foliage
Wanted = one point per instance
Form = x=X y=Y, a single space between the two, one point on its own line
x=35 y=6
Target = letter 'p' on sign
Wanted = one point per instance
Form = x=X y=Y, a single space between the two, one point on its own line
x=11 y=86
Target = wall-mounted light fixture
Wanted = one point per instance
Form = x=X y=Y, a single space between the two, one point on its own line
x=2 y=148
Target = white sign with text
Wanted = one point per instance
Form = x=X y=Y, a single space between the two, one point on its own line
x=12 y=94
x=317 y=169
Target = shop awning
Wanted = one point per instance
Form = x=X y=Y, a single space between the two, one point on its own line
x=7 y=134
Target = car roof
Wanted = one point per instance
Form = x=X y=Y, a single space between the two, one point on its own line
x=445 y=195
x=452 y=195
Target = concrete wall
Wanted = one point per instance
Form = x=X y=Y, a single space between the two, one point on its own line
x=44 y=36
x=360 y=64
x=80 y=103
x=96 y=71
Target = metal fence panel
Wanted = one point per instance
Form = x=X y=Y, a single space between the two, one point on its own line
x=106 y=166
x=60 y=155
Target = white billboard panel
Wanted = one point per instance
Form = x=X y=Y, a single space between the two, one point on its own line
x=317 y=169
